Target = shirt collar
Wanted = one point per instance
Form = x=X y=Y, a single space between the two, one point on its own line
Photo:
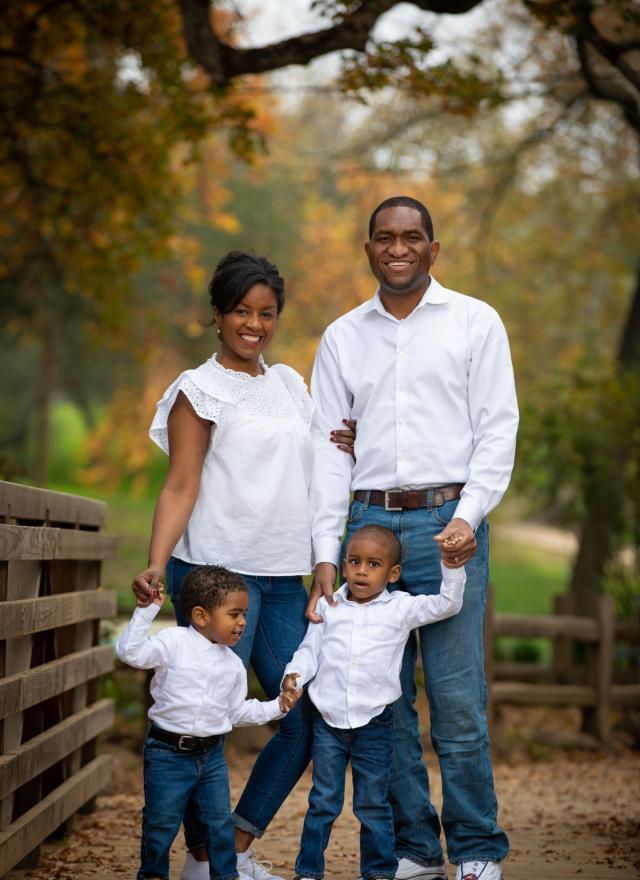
x=435 y=294
x=385 y=596
x=201 y=643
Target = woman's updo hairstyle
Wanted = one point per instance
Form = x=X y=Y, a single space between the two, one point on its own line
x=236 y=274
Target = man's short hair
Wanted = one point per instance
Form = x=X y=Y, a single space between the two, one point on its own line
x=403 y=202
x=383 y=536
x=208 y=586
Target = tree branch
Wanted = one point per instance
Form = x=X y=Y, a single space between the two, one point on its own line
x=587 y=36
x=607 y=90
x=223 y=62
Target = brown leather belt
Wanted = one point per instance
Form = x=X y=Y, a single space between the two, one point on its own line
x=410 y=499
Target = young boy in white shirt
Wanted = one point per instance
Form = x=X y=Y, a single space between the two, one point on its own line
x=200 y=692
x=352 y=660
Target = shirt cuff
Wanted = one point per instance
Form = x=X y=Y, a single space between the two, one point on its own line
x=453 y=575
x=326 y=549
x=147 y=613
x=470 y=511
x=274 y=710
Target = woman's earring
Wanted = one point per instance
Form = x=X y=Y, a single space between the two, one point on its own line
x=218 y=332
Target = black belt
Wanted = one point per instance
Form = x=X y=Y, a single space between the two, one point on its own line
x=410 y=499
x=184 y=742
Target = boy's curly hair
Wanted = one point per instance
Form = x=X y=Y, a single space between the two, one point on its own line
x=208 y=586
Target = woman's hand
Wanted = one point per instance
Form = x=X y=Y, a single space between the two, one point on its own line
x=146 y=585
x=345 y=438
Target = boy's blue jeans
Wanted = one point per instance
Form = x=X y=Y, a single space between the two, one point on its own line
x=275 y=627
x=369 y=750
x=453 y=665
x=171 y=779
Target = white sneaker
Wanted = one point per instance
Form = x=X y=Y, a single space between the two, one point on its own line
x=251 y=869
x=479 y=870
x=195 y=870
x=408 y=870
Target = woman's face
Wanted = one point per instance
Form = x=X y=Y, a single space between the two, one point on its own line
x=248 y=328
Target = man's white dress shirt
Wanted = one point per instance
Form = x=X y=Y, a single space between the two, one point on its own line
x=434 y=396
x=199 y=687
x=354 y=655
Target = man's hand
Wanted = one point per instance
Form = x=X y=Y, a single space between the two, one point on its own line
x=146 y=586
x=457 y=543
x=324 y=578
x=290 y=694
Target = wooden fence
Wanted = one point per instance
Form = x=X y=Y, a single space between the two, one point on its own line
x=51 y=549
x=590 y=685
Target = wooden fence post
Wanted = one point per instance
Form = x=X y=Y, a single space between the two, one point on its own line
x=604 y=668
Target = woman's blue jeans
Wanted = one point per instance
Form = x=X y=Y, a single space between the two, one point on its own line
x=368 y=748
x=453 y=664
x=275 y=627
x=171 y=780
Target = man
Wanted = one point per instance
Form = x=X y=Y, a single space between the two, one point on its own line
x=427 y=374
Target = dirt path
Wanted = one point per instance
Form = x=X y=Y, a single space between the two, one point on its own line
x=570 y=816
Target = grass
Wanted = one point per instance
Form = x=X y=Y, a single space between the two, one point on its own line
x=525 y=580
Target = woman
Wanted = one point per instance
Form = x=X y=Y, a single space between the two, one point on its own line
x=237 y=435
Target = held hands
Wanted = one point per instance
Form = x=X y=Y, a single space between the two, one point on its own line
x=457 y=543
x=290 y=694
x=148 y=586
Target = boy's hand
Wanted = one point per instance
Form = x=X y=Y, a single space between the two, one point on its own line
x=457 y=543
x=156 y=594
x=145 y=586
x=290 y=694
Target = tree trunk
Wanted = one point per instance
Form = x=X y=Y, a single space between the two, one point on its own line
x=603 y=512
x=43 y=414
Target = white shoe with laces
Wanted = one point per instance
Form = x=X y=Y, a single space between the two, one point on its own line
x=408 y=870
x=194 y=870
x=479 y=870
x=251 y=869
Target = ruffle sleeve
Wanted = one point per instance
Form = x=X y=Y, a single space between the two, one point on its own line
x=205 y=390
x=295 y=385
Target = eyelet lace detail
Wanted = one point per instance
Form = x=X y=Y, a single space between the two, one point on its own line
x=278 y=394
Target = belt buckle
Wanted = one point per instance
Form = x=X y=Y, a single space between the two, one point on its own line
x=387 y=505
x=182 y=748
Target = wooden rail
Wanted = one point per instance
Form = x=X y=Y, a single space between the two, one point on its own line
x=596 y=695
x=51 y=549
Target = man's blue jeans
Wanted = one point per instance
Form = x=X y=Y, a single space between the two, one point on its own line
x=171 y=779
x=369 y=750
x=452 y=658
x=275 y=627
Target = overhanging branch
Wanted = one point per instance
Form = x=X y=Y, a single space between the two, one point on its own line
x=223 y=62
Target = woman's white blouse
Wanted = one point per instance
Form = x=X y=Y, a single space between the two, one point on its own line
x=252 y=510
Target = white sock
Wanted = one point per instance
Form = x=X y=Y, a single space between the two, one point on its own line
x=194 y=870
x=243 y=857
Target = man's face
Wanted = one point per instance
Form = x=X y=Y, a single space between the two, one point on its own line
x=400 y=253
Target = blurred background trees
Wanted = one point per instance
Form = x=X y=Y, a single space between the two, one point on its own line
x=133 y=158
